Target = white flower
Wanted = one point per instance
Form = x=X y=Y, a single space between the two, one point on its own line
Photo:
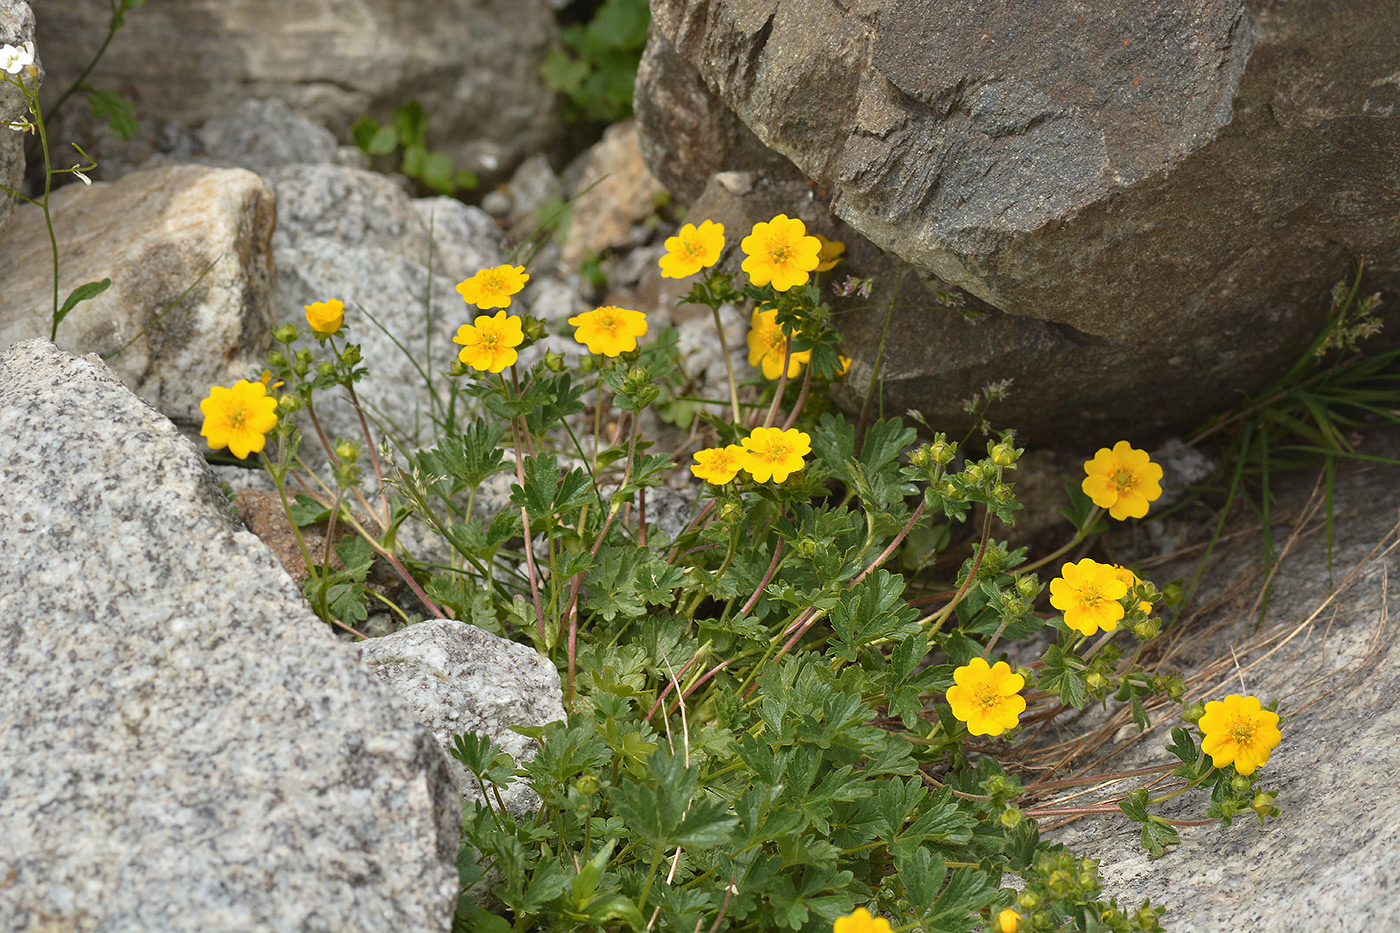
x=14 y=59
x=77 y=170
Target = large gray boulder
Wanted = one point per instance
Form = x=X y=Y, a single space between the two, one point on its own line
x=474 y=65
x=1326 y=650
x=183 y=745
x=1156 y=197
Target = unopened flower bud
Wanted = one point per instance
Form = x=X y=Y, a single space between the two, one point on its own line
x=921 y=457
x=588 y=785
x=305 y=356
x=1147 y=918
x=554 y=362
x=1087 y=881
x=943 y=452
x=807 y=547
x=731 y=512
x=1194 y=712
x=1027 y=585
x=347 y=451
x=1241 y=784
x=1172 y=593
x=285 y=334
x=1003 y=454
x=1008 y=921
x=1096 y=681
x=350 y=355
x=290 y=402
x=277 y=358
x=457 y=369
x=533 y=328
x=1002 y=493
x=1029 y=900
x=301 y=368
x=1147 y=629
x=974 y=473
x=325 y=368
x=1011 y=818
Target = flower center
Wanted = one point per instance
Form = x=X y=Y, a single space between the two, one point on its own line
x=489 y=341
x=692 y=250
x=1089 y=596
x=1242 y=731
x=781 y=253
x=1124 y=480
x=238 y=417
x=777 y=451
x=988 y=698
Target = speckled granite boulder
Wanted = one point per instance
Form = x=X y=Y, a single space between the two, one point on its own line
x=1329 y=863
x=188 y=250
x=183 y=745
x=460 y=678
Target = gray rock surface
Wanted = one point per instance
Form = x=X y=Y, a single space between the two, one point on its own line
x=183 y=745
x=458 y=679
x=154 y=234
x=16 y=28
x=355 y=235
x=474 y=65
x=1160 y=195
x=1329 y=862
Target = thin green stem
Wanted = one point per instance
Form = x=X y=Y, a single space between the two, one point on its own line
x=728 y=364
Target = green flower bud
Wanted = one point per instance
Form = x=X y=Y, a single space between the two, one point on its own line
x=1002 y=493
x=974 y=473
x=1011 y=818
x=1029 y=900
x=1147 y=918
x=1096 y=681
x=290 y=402
x=285 y=334
x=1027 y=585
x=1043 y=920
x=305 y=356
x=457 y=369
x=941 y=450
x=533 y=328
x=325 y=368
x=347 y=451
x=1002 y=454
x=277 y=358
x=1194 y=712
x=1241 y=784
x=731 y=512
x=1172 y=593
x=301 y=368
x=1059 y=883
x=1147 y=629
x=350 y=355
x=920 y=457
x=1087 y=881
x=554 y=362
x=588 y=785
x=806 y=547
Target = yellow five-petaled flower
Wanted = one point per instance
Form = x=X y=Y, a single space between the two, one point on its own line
x=489 y=343
x=492 y=288
x=1123 y=480
x=781 y=253
x=768 y=345
x=238 y=418
x=831 y=253
x=987 y=697
x=609 y=330
x=692 y=249
x=325 y=317
x=1088 y=593
x=1239 y=731
x=718 y=465
x=773 y=453
x=861 y=922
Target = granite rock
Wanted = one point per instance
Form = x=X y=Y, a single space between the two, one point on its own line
x=198 y=752
x=16 y=28
x=188 y=250
x=459 y=679
x=474 y=66
x=612 y=198
x=1160 y=195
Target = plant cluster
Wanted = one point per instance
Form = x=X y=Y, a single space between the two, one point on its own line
x=406 y=134
x=766 y=729
x=594 y=66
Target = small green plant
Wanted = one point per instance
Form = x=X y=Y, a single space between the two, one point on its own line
x=595 y=65
x=406 y=133
x=768 y=728
x=106 y=105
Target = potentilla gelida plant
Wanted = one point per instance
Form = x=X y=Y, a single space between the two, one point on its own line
x=769 y=727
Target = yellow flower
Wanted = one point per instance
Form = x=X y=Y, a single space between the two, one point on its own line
x=609 y=330
x=718 y=465
x=780 y=252
x=1123 y=480
x=987 y=698
x=1132 y=579
x=845 y=366
x=861 y=922
x=1239 y=731
x=830 y=254
x=775 y=453
x=1008 y=921
x=325 y=317
x=492 y=288
x=238 y=418
x=692 y=249
x=1088 y=593
x=489 y=343
x=767 y=344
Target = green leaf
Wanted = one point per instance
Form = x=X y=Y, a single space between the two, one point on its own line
x=438 y=174
x=922 y=873
x=307 y=511
x=115 y=111
x=347 y=601
x=412 y=124
x=357 y=555
x=81 y=293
